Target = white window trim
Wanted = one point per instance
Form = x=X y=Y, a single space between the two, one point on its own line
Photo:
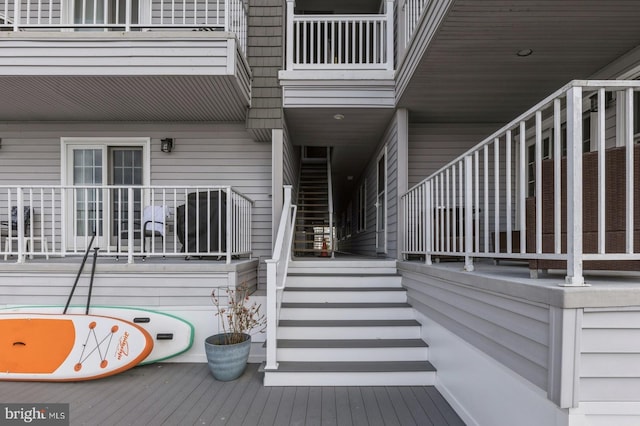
x=69 y=142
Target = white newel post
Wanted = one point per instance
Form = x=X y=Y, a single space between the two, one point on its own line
x=574 y=187
x=291 y=4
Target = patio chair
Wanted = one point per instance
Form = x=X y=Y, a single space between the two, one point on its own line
x=154 y=223
x=9 y=230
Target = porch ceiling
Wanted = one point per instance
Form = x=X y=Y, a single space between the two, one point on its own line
x=353 y=138
x=471 y=72
x=121 y=98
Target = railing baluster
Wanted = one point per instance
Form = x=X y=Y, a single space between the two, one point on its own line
x=538 y=181
x=629 y=169
x=508 y=176
x=557 y=188
x=496 y=195
x=602 y=188
x=523 y=187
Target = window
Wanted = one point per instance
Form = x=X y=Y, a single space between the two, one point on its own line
x=362 y=207
x=98 y=162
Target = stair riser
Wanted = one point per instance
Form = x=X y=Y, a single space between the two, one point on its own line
x=345 y=313
x=409 y=378
x=351 y=354
x=295 y=333
x=344 y=281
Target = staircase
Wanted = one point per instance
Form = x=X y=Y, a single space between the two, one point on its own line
x=348 y=323
x=312 y=224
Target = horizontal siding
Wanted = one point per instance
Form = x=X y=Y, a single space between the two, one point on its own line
x=107 y=54
x=158 y=282
x=364 y=242
x=431 y=146
x=344 y=96
x=202 y=155
x=512 y=331
x=610 y=355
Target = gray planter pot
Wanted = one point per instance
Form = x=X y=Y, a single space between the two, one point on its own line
x=226 y=362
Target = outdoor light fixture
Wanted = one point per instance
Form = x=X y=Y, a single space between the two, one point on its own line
x=339 y=117
x=524 y=52
x=166 y=144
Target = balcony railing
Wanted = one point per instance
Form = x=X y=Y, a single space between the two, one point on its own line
x=340 y=41
x=128 y=221
x=126 y=15
x=413 y=10
x=559 y=183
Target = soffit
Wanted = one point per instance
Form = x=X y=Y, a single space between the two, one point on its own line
x=121 y=98
x=470 y=71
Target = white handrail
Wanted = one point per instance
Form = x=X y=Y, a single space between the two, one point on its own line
x=62 y=219
x=470 y=207
x=330 y=185
x=277 y=268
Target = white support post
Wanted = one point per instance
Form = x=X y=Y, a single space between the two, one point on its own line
x=468 y=213
x=389 y=34
x=291 y=4
x=574 y=188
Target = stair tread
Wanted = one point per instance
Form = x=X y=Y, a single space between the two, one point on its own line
x=347 y=275
x=344 y=305
x=349 y=323
x=352 y=343
x=345 y=289
x=356 y=367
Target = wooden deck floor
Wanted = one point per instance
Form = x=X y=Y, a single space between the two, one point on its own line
x=187 y=394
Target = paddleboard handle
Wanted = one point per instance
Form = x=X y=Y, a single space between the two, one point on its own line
x=140 y=320
x=164 y=336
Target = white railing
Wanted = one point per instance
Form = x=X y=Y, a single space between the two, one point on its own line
x=413 y=10
x=500 y=199
x=126 y=15
x=340 y=41
x=191 y=221
x=277 y=268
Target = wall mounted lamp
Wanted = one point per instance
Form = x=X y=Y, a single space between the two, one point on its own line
x=166 y=144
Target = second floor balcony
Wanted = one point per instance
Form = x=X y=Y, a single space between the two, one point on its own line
x=125 y=15
x=124 y=60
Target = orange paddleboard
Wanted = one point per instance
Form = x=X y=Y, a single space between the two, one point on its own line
x=43 y=347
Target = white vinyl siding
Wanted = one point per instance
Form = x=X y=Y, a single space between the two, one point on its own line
x=513 y=331
x=610 y=355
x=365 y=242
x=203 y=155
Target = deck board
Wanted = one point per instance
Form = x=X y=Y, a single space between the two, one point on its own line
x=186 y=394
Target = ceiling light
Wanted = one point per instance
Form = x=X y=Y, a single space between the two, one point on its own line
x=524 y=52
x=339 y=117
